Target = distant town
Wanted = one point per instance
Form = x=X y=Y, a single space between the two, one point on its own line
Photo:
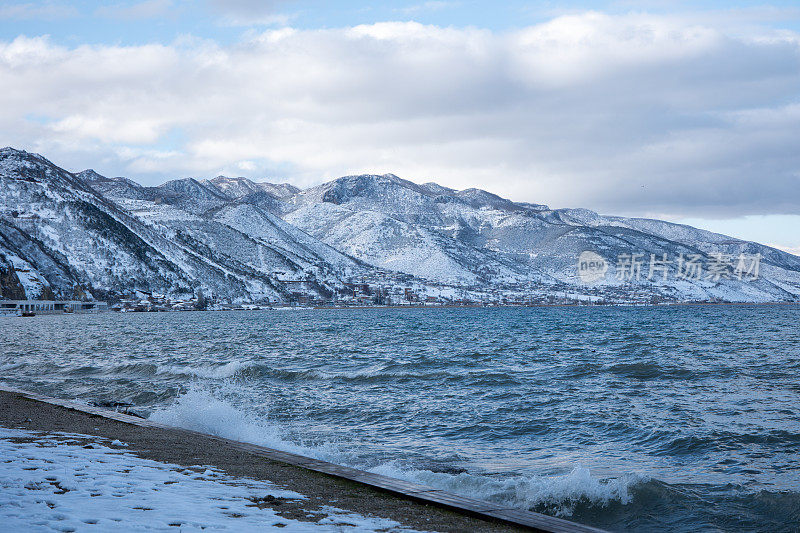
x=353 y=294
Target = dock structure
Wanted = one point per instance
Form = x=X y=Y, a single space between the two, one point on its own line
x=50 y=307
x=440 y=510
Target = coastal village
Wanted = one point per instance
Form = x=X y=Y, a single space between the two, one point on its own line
x=353 y=294
x=392 y=289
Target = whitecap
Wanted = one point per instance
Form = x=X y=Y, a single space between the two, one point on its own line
x=200 y=410
x=207 y=372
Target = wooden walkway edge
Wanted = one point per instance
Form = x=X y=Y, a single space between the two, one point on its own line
x=413 y=491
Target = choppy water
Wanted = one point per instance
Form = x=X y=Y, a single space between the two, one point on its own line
x=673 y=418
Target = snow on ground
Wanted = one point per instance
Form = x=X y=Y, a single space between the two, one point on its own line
x=61 y=482
x=32 y=282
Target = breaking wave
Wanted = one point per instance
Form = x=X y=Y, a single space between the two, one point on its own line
x=200 y=410
x=226 y=370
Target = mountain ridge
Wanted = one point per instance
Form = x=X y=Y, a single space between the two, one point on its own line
x=253 y=241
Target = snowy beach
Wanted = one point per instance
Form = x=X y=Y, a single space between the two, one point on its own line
x=65 y=470
x=67 y=482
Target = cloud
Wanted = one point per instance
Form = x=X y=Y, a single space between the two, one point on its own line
x=128 y=130
x=632 y=114
x=248 y=7
x=433 y=5
x=252 y=12
x=789 y=249
x=141 y=10
x=41 y=11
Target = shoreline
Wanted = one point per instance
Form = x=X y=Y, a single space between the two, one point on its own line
x=532 y=306
x=325 y=484
x=444 y=306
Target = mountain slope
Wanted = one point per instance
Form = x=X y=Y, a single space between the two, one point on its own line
x=235 y=232
x=238 y=187
x=476 y=238
x=85 y=235
x=85 y=245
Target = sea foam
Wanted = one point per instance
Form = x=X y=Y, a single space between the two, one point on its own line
x=208 y=372
x=200 y=410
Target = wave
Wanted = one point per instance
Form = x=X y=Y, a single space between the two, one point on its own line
x=723 y=441
x=556 y=495
x=381 y=374
x=200 y=410
x=226 y=370
x=650 y=370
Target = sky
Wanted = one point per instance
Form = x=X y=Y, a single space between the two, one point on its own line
x=686 y=111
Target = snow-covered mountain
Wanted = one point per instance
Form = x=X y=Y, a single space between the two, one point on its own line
x=476 y=238
x=239 y=187
x=85 y=234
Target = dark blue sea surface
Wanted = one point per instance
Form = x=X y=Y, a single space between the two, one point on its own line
x=681 y=418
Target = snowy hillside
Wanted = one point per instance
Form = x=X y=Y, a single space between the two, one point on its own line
x=238 y=187
x=476 y=238
x=86 y=235
x=80 y=243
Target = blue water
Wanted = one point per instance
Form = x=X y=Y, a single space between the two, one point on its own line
x=641 y=419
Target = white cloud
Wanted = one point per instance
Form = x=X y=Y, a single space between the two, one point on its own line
x=433 y=5
x=252 y=12
x=789 y=249
x=630 y=114
x=40 y=11
x=137 y=11
x=255 y=8
x=105 y=128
